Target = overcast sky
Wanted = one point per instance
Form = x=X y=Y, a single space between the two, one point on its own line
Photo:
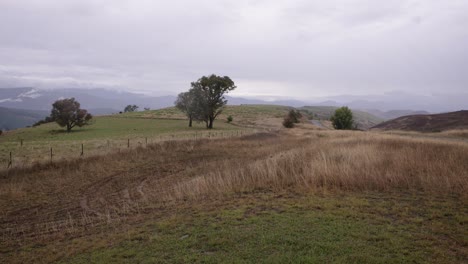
x=291 y=48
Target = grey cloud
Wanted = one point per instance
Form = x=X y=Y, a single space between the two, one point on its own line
x=306 y=48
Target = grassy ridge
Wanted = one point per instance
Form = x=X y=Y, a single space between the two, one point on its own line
x=106 y=134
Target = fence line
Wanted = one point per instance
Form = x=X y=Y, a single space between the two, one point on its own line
x=26 y=154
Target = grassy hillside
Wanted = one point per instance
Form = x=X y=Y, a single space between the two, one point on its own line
x=106 y=134
x=294 y=196
x=427 y=123
x=244 y=115
x=363 y=119
x=16 y=118
x=112 y=133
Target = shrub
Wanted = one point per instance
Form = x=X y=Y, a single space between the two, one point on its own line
x=229 y=119
x=288 y=122
x=294 y=116
x=343 y=118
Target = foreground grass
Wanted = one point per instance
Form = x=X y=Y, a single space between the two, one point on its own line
x=285 y=228
x=296 y=196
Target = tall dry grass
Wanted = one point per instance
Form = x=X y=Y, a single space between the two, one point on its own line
x=71 y=196
x=347 y=161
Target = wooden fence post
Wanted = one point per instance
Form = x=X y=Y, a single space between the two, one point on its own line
x=128 y=143
x=82 y=150
x=51 y=154
x=146 y=141
x=10 y=162
x=21 y=142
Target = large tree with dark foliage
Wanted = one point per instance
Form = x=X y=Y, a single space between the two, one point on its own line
x=209 y=96
x=67 y=113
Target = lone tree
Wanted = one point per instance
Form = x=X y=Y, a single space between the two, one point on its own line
x=67 y=113
x=343 y=118
x=209 y=96
x=131 y=108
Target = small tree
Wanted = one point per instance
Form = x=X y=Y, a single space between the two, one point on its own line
x=67 y=113
x=229 y=119
x=147 y=108
x=186 y=103
x=343 y=118
x=131 y=108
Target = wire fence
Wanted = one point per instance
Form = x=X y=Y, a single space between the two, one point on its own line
x=22 y=153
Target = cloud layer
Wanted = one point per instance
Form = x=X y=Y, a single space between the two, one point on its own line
x=271 y=48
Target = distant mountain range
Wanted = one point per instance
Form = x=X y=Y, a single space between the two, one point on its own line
x=27 y=105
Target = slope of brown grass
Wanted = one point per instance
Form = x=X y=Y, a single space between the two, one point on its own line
x=427 y=123
x=346 y=161
x=70 y=199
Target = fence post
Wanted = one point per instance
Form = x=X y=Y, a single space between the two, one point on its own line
x=128 y=143
x=82 y=149
x=146 y=141
x=21 y=142
x=51 y=154
x=10 y=162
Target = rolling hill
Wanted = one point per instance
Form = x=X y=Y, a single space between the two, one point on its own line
x=17 y=118
x=427 y=123
x=364 y=120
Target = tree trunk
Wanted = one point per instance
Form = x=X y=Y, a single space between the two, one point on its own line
x=190 y=122
x=68 y=128
x=210 y=126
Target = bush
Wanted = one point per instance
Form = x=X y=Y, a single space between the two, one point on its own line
x=343 y=118
x=229 y=119
x=288 y=122
x=294 y=116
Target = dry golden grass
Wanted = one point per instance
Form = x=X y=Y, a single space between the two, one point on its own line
x=347 y=161
x=70 y=198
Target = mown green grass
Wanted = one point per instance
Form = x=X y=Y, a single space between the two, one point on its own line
x=330 y=229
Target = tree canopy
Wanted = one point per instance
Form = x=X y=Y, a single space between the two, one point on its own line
x=205 y=100
x=343 y=118
x=67 y=113
x=131 y=108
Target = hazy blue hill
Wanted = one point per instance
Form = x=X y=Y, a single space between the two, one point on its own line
x=17 y=118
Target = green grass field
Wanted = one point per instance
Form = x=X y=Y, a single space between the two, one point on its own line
x=105 y=134
x=284 y=228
